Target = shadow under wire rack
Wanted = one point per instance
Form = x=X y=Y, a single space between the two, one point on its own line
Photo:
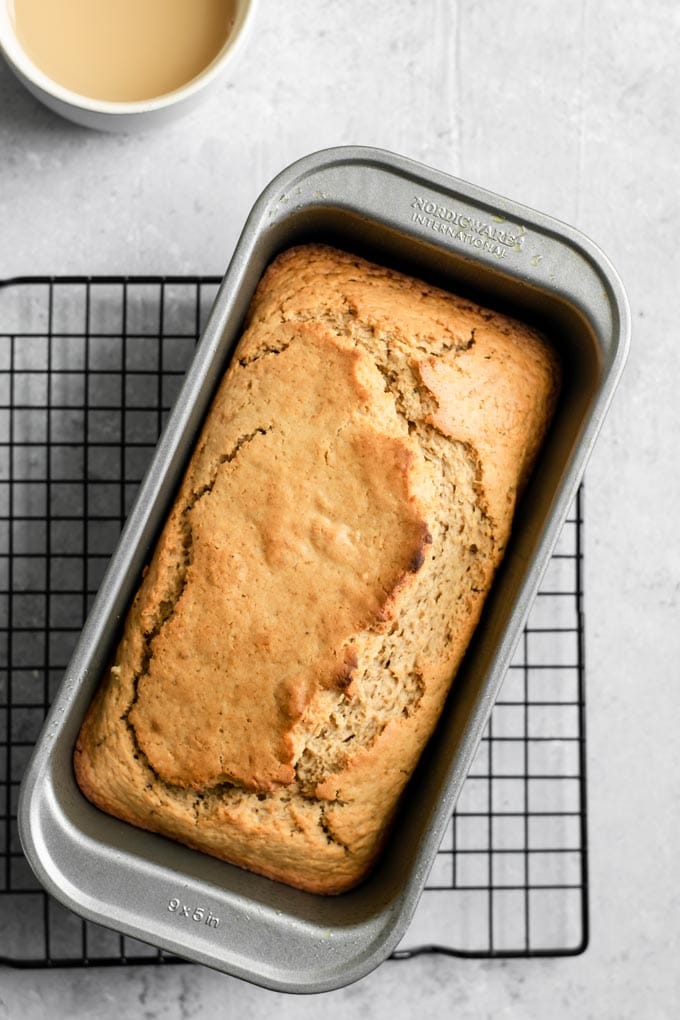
x=89 y=369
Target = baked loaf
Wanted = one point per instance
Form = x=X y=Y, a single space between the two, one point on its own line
x=316 y=584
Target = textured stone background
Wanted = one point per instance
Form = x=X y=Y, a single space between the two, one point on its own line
x=571 y=106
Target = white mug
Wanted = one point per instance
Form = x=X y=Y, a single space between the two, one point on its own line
x=121 y=116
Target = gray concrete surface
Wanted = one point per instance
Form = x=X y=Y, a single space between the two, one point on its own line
x=572 y=106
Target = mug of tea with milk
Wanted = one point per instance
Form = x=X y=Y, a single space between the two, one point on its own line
x=122 y=64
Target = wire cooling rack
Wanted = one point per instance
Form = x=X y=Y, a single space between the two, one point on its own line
x=89 y=369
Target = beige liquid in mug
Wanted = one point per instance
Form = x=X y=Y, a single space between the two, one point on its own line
x=122 y=50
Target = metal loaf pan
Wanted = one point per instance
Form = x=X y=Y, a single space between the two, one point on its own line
x=467 y=240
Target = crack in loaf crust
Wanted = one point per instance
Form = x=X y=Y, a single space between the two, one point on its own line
x=320 y=575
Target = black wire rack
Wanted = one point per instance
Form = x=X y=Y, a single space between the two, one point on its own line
x=89 y=368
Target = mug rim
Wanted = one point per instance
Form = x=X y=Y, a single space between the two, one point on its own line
x=21 y=63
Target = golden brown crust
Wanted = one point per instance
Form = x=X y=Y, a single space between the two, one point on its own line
x=315 y=587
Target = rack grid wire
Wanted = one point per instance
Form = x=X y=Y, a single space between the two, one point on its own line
x=89 y=368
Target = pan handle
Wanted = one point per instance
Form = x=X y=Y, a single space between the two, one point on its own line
x=477 y=228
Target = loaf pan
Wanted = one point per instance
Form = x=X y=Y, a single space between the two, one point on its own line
x=449 y=233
